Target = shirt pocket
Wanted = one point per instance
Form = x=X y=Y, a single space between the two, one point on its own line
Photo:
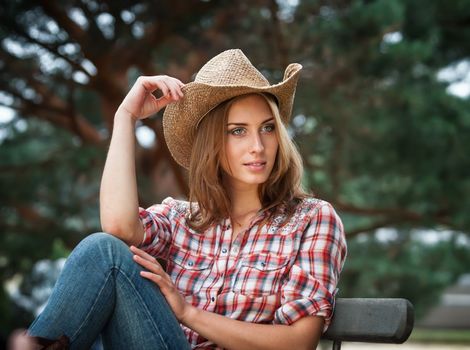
x=260 y=274
x=187 y=270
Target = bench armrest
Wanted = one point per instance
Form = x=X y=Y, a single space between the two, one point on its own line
x=373 y=320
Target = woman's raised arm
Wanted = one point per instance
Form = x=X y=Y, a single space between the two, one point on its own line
x=119 y=207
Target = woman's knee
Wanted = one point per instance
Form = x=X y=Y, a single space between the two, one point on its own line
x=102 y=244
x=103 y=238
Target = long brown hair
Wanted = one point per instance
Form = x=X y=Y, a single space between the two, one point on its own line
x=283 y=186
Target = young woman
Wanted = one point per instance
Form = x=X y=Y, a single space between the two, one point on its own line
x=252 y=260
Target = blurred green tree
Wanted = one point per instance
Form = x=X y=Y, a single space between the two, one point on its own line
x=385 y=141
x=382 y=138
x=405 y=267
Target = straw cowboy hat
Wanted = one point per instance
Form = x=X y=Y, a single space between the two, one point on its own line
x=227 y=75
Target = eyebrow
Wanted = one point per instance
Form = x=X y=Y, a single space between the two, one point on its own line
x=244 y=124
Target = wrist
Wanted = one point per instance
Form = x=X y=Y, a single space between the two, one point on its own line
x=123 y=113
x=191 y=313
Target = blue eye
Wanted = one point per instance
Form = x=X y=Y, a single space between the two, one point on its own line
x=237 y=131
x=268 y=128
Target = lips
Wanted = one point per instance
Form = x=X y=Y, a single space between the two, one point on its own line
x=255 y=163
x=255 y=167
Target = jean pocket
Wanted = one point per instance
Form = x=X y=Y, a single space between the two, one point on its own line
x=187 y=270
x=260 y=274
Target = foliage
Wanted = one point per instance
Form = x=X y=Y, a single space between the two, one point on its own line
x=382 y=138
x=445 y=336
x=403 y=268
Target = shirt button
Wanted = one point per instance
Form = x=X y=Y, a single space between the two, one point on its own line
x=190 y=263
x=224 y=250
x=212 y=299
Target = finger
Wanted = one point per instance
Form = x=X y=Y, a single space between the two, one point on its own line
x=163 y=86
x=173 y=87
x=162 y=282
x=143 y=254
x=175 y=90
x=150 y=84
x=163 y=102
x=175 y=80
x=169 y=86
x=153 y=277
x=151 y=266
x=176 y=87
x=179 y=82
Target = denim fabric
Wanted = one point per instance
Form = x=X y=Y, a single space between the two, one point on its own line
x=100 y=291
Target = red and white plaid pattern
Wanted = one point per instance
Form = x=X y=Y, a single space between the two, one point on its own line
x=271 y=273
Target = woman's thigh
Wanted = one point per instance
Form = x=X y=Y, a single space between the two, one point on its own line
x=100 y=290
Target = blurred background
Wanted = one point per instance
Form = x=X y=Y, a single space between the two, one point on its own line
x=381 y=117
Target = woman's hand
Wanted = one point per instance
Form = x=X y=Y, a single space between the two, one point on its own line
x=156 y=274
x=140 y=101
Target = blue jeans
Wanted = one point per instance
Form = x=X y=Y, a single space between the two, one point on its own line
x=100 y=292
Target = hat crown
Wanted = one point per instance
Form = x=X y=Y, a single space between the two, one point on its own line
x=230 y=68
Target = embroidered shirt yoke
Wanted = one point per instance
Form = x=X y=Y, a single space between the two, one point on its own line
x=271 y=273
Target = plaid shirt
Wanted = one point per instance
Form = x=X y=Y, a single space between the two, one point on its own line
x=271 y=273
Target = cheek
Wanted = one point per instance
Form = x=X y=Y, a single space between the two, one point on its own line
x=273 y=146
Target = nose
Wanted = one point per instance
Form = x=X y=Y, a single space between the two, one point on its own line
x=257 y=145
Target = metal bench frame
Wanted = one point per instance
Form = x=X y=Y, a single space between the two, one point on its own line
x=372 y=320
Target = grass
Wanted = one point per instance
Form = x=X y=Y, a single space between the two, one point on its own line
x=443 y=336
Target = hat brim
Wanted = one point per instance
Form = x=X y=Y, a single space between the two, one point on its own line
x=181 y=118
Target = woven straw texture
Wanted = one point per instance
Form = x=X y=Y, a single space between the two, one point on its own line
x=227 y=75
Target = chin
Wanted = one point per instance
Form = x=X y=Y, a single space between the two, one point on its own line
x=249 y=179
x=259 y=180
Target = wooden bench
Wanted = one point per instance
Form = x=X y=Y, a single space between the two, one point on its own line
x=371 y=320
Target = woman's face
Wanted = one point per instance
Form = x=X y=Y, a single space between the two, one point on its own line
x=251 y=142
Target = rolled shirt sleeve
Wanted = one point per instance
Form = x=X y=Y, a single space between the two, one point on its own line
x=157 y=223
x=310 y=286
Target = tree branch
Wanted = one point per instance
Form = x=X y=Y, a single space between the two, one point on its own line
x=372 y=227
x=390 y=212
x=277 y=34
x=54 y=111
x=53 y=49
x=63 y=20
